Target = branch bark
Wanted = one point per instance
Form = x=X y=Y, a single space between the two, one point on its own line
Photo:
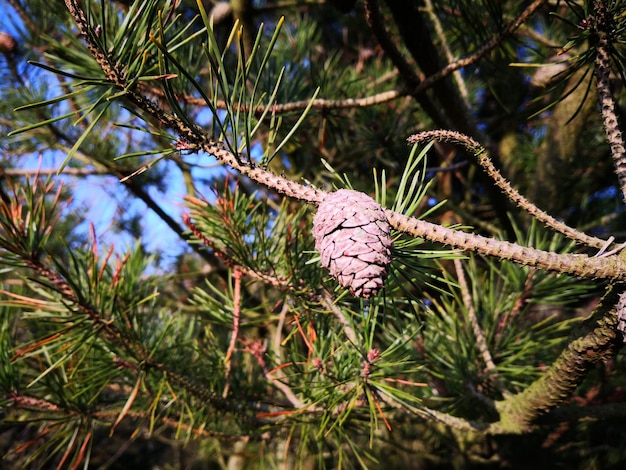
x=595 y=341
x=607 y=102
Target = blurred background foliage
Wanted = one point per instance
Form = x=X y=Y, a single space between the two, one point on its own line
x=159 y=311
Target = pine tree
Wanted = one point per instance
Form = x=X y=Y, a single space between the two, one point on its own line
x=396 y=234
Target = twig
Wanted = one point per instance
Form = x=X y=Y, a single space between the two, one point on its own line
x=621 y=316
x=511 y=193
x=419 y=84
x=532 y=33
x=227 y=257
x=278 y=334
x=80 y=305
x=450 y=111
x=203 y=394
x=603 y=253
x=339 y=315
x=458 y=78
x=377 y=25
x=54 y=171
x=605 y=95
x=428 y=413
x=115 y=335
x=276 y=381
x=519 y=303
x=481 y=342
x=108 y=415
x=612 y=267
x=278 y=108
x=235 y=332
x=443 y=169
x=25 y=17
x=480 y=53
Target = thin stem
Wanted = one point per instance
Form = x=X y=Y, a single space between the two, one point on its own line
x=115 y=335
x=519 y=303
x=454 y=422
x=235 y=331
x=458 y=78
x=511 y=193
x=621 y=316
x=480 y=53
x=605 y=95
x=278 y=334
x=339 y=315
x=39 y=405
x=55 y=171
x=481 y=341
x=276 y=380
x=25 y=17
x=226 y=256
x=278 y=108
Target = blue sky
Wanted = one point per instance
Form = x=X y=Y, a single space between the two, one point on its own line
x=103 y=198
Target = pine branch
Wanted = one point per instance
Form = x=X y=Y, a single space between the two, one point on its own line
x=378 y=98
x=483 y=50
x=328 y=303
x=612 y=267
x=107 y=168
x=612 y=129
x=281 y=108
x=414 y=32
x=226 y=256
x=254 y=348
x=454 y=422
x=16 y=239
x=595 y=341
x=511 y=193
x=48 y=408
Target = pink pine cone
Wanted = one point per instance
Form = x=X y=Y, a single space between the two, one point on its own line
x=353 y=238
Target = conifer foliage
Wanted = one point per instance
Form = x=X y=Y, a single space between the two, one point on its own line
x=364 y=234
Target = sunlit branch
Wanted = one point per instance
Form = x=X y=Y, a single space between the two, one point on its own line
x=280 y=108
x=511 y=193
x=612 y=267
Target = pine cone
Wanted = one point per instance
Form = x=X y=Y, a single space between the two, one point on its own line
x=353 y=238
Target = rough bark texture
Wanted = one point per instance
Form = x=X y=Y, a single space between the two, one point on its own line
x=596 y=340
